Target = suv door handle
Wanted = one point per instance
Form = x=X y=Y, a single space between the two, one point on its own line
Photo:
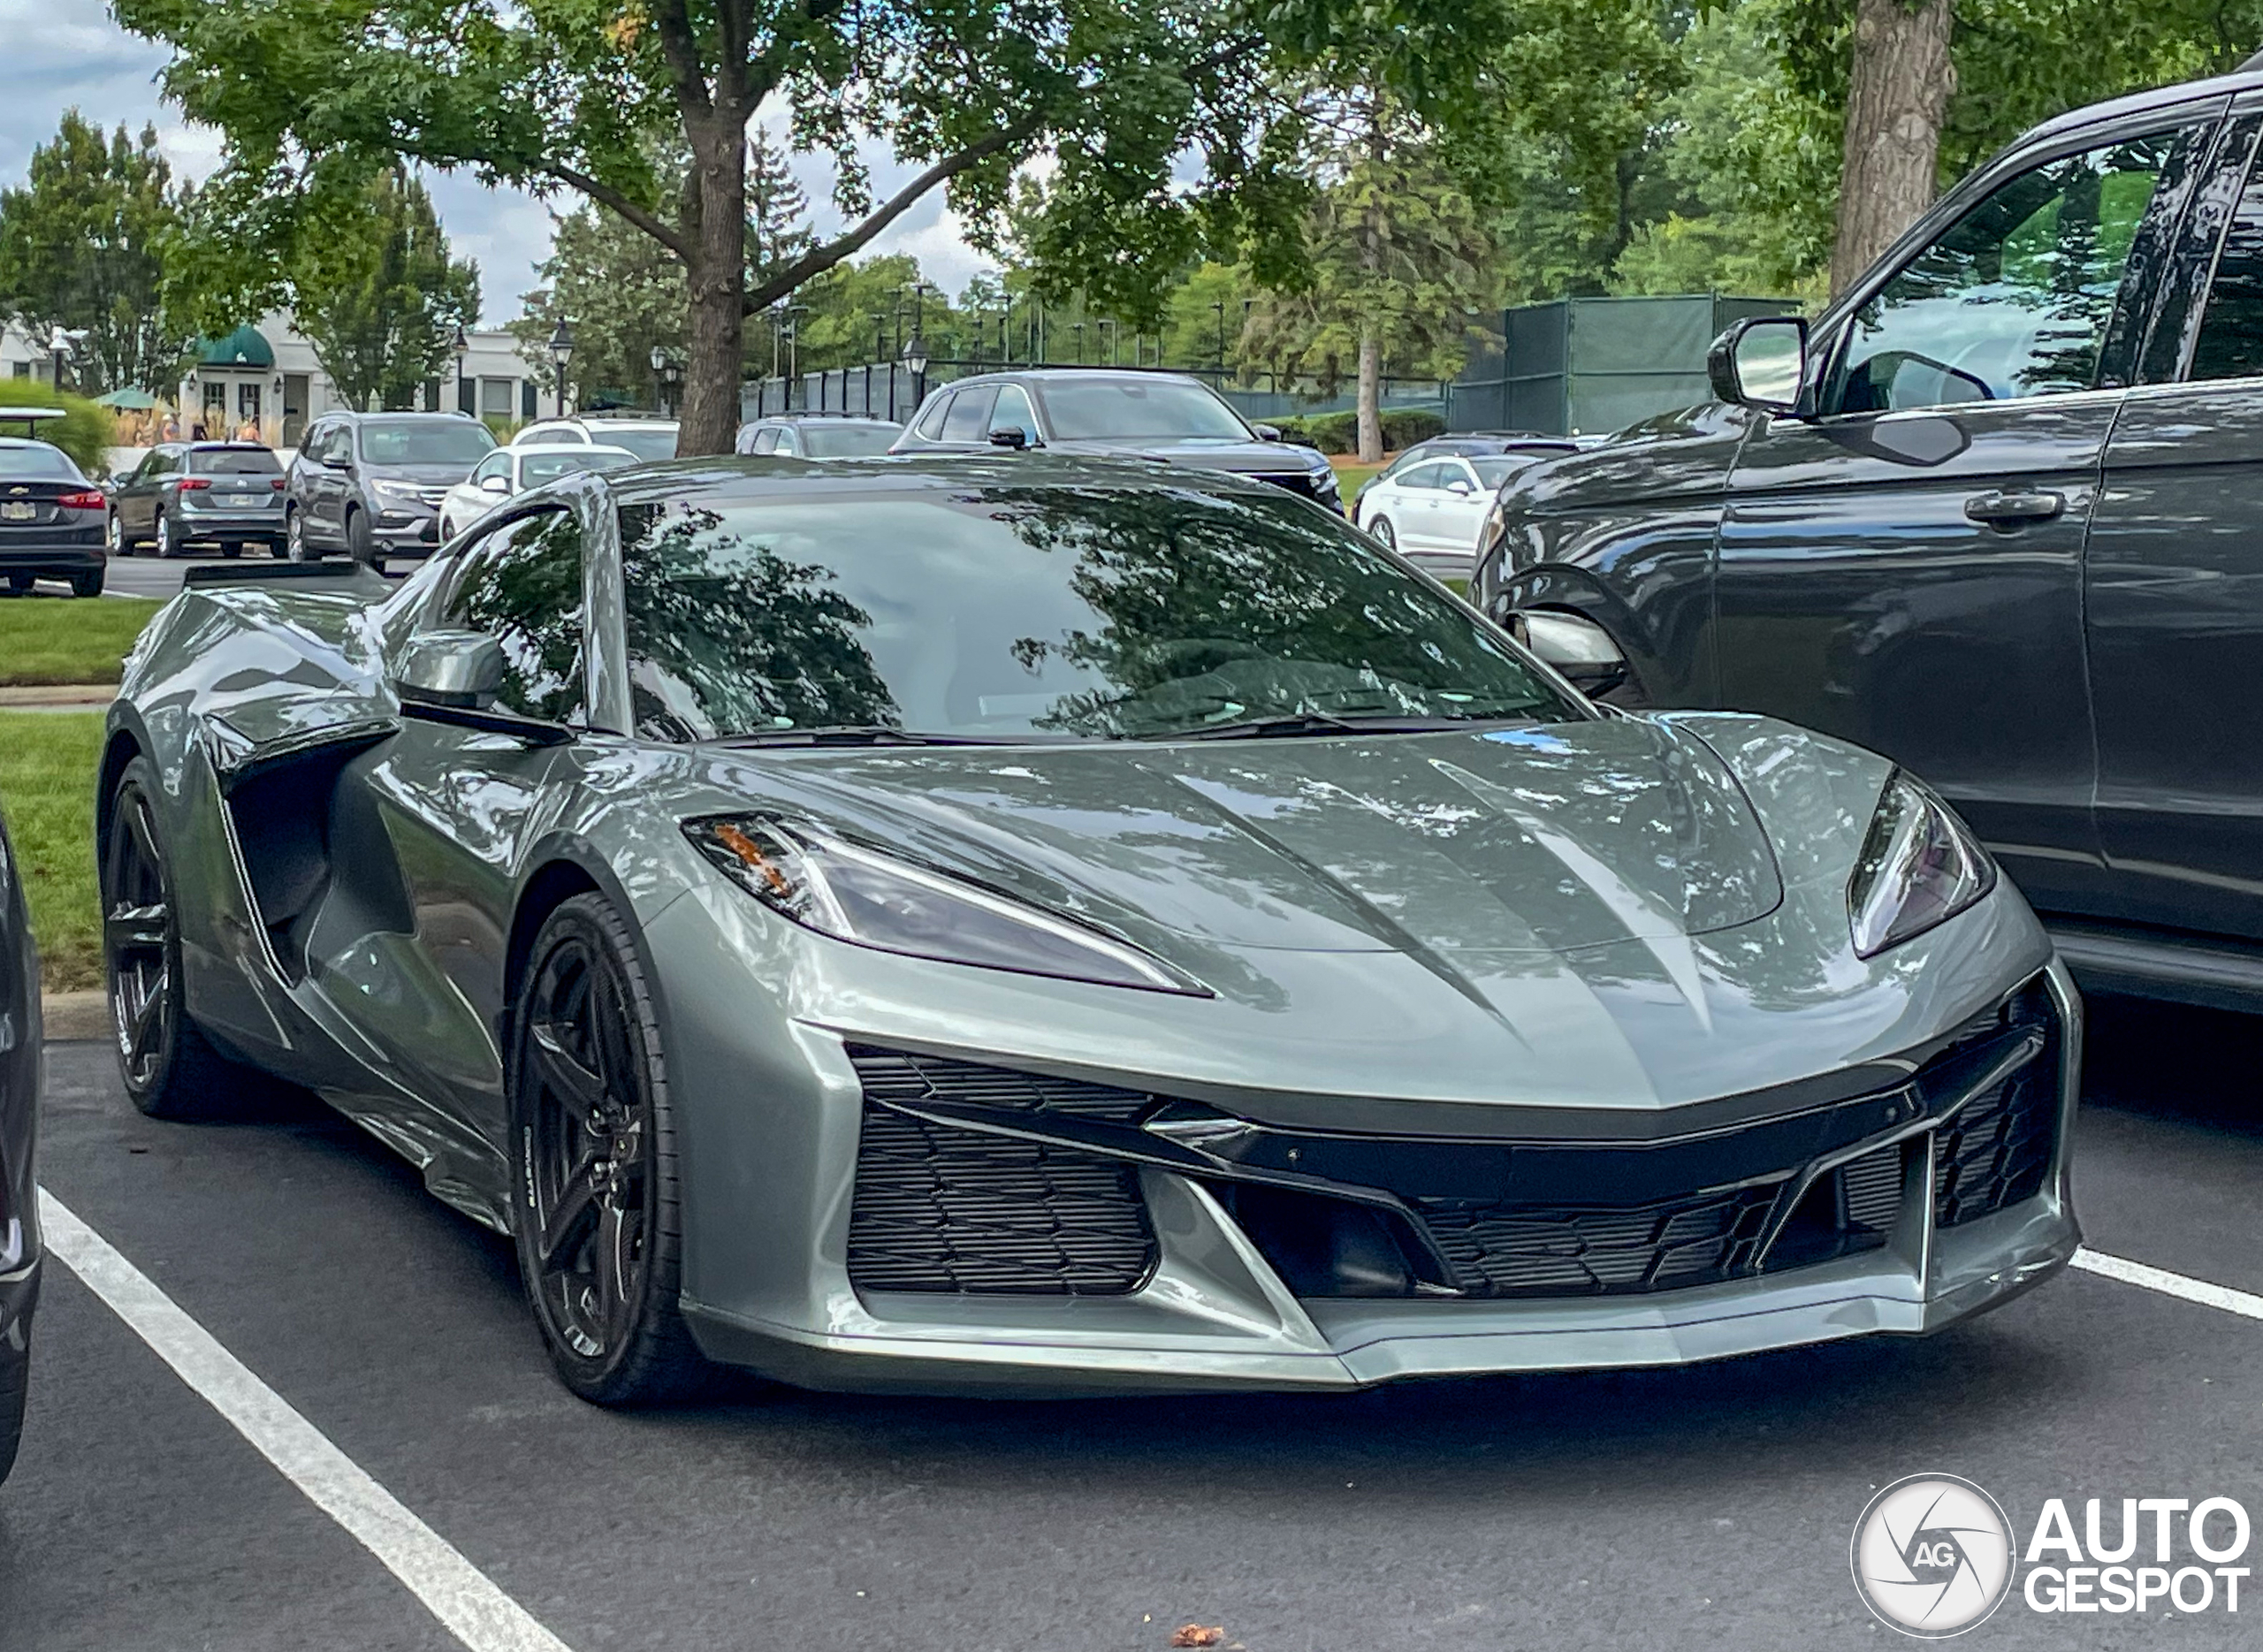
x=2007 y=508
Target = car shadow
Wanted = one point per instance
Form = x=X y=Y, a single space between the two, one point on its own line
x=2174 y=1064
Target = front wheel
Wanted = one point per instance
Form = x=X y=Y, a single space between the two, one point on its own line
x=362 y=543
x=114 y=541
x=596 y=1207
x=1380 y=529
x=295 y=534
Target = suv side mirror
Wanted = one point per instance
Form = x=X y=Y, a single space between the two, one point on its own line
x=1760 y=361
x=1009 y=435
x=494 y=484
x=1267 y=432
x=336 y=461
x=459 y=669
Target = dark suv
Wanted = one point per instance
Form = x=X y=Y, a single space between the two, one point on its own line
x=1113 y=413
x=370 y=484
x=183 y=493
x=1998 y=514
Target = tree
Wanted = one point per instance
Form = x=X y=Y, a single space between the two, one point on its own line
x=623 y=292
x=1399 y=264
x=379 y=298
x=777 y=213
x=82 y=246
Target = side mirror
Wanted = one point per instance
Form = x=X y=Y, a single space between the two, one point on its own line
x=1760 y=361
x=1267 y=432
x=457 y=668
x=1009 y=435
x=494 y=484
x=336 y=461
x=1580 y=649
x=1460 y=487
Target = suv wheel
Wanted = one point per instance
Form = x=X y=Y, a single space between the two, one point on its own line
x=361 y=543
x=164 y=535
x=295 y=534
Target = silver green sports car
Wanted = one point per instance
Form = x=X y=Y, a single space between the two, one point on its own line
x=1001 y=925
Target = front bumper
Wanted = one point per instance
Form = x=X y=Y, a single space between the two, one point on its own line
x=405 y=531
x=1219 y=1305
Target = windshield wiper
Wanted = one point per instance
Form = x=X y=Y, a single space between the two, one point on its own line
x=1295 y=725
x=855 y=735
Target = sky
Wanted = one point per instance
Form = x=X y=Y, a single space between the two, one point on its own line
x=66 y=53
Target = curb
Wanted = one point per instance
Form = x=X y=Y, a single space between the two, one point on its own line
x=75 y=1015
x=40 y=696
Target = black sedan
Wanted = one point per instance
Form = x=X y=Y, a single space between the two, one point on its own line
x=19 y=1068
x=228 y=494
x=50 y=519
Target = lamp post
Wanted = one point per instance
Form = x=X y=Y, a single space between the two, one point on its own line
x=1107 y=324
x=461 y=347
x=1077 y=328
x=914 y=362
x=659 y=359
x=59 y=347
x=561 y=351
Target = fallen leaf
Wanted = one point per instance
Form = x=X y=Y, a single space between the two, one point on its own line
x=1197 y=1635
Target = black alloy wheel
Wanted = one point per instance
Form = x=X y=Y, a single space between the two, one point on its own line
x=170 y=1069
x=596 y=1208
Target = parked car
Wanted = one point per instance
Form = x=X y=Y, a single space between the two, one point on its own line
x=228 y=494
x=370 y=484
x=1992 y=514
x=1430 y=512
x=1011 y=923
x=512 y=470
x=1099 y=412
x=50 y=519
x=1471 y=445
x=20 y=1084
x=646 y=435
x=818 y=436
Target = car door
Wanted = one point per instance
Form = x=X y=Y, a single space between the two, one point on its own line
x=135 y=519
x=966 y=427
x=2175 y=590
x=460 y=807
x=1412 y=505
x=1904 y=569
x=1462 y=502
x=325 y=506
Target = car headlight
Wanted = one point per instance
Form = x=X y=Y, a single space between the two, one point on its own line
x=870 y=899
x=1920 y=866
x=400 y=493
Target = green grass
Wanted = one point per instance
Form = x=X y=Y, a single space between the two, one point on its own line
x=1352 y=475
x=46 y=791
x=47 y=640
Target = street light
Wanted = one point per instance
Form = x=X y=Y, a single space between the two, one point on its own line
x=462 y=346
x=561 y=351
x=914 y=362
x=59 y=347
x=659 y=359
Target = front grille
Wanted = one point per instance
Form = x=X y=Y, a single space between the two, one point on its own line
x=1537 y=1251
x=938 y=1208
x=1997 y=1149
x=1873 y=1191
x=1309 y=484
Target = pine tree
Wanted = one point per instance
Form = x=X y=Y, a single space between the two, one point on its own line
x=777 y=212
x=380 y=299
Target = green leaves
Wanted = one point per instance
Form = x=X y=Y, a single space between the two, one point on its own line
x=378 y=294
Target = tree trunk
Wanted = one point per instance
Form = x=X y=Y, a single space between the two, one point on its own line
x=1370 y=396
x=717 y=276
x=1899 y=91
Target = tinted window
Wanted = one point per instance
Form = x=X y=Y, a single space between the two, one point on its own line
x=496 y=464
x=931 y=423
x=37 y=460
x=523 y=586
x=970 y=414
x=431 y=441
x=2014 y=299
x=848 y=441
x=766 y=440
x=233 y=461
x=1013 y=412
x=1013 y=611
x=786 y=442
x=1429 y=475
x=537 y=469
x=2231 y=345
x=650 y=443
x=1097 y=409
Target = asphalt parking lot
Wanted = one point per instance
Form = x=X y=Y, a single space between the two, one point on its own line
x=147 y=576
x=1656 y=1509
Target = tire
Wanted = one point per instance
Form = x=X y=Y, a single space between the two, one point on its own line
x=1380 y=530
x=164 y=537
x=114 y=540
x=171 y=1072
x=15 y=1382
x=18 y=584
x=295 y=534
x=361 y=544
x=86 y=585
x=596 y=1210
x=233 y=549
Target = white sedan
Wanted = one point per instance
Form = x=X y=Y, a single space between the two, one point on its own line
x=514 y=469
x=1431 y=512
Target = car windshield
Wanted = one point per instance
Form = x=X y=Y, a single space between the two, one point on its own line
x=848 y=441
x=1105 y=409
x=537 y=469
x=1493 y=472
x=1041 y=612
x=434 y=439
x=233 y=461
x=656 y=441
x=37 y=460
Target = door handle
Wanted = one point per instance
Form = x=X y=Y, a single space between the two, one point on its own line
x=2001 y=507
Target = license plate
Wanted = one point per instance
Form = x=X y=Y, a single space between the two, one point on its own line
x=17 y=511
x=242 y=501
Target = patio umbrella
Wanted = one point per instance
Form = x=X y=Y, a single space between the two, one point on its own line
x=127 y=401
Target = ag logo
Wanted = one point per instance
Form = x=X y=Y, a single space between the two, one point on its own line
x=1932 y=1555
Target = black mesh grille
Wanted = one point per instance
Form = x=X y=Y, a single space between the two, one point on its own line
x=1997 y=1149
x=943 y=1209
x=1873 y=1186
x=1531 y=1249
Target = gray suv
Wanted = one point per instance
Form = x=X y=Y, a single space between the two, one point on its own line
x=370 y=484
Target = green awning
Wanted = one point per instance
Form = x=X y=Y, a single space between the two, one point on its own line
x=127 y=401
x=247 y=347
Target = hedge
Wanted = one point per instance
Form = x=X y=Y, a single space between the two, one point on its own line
x=1340 y=433
x=84 y=434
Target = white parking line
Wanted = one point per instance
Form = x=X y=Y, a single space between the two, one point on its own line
x=454 y=1590
x=2240 y=1302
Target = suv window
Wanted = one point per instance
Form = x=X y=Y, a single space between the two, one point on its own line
x=931 y=423
x=2013 y=299
x=2231 y=345
x=521 y=586
x=1013 y=412
x=970 y=414
x=233 y=461
x=766 y=440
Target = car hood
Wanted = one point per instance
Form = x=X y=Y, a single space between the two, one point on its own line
x=1205 y=453
x=1522 y=839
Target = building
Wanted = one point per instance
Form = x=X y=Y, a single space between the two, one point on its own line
x=268 y=375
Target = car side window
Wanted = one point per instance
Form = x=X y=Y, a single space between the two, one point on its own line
x=2012 y=300
x=970 y=415
x=1013 y=412
x=496 y=464
x=1429 y=475
x=521 y=586
x=786 y=444
x=931 y=423
x=766 y=440
x=2230 y=342
x=1457 y=470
